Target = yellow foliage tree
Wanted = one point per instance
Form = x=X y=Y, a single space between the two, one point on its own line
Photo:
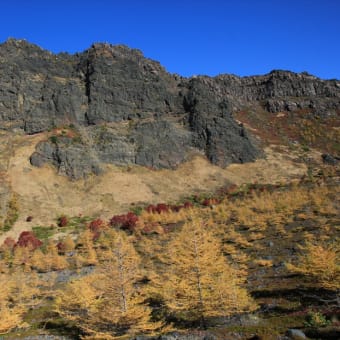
x=38 y=261
x=21 y=256
x=11 y=316
x=86 y=249
x=78 y=301
x=104 y=245
x=319 y=264
x=198 y=281
x=69 y=244
x=53 y=259
x=18 y=292
x=113 y=304
x=48 y=261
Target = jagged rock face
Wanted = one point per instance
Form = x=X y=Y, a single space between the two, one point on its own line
x=122 y=84
x=39 y=90
x=126 y=109
x=156 y=144
x=214 y=129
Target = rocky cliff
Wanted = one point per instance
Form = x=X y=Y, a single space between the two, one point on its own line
x=110 y=104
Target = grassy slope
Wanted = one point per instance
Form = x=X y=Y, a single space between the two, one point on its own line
x=42 y=194
x=261 y=227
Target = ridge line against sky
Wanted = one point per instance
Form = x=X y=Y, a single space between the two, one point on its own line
x=242 y=37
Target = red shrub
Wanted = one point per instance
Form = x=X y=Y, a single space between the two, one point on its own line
x=117 y=220
x=187 y=205
x=210 y=201
x=161 y=207
x=158 y=209
x=96 y=225
x=131 y=221
x=62 y=221
x=29 y=218
x=61 y=247
x=9 y=243
x=127 y=221
x=151 y=208
x=28 y=239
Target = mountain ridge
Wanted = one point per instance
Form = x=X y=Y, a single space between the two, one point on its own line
x=19 y=42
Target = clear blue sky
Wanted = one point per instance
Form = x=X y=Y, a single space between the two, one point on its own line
x=188 y=37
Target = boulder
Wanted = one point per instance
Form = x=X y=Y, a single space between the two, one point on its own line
x=296 y=334
x=329 y=159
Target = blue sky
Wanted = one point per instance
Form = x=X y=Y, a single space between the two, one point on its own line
x=244 y=37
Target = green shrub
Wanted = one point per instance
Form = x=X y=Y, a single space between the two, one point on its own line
x=54 y=139
x=316 y=319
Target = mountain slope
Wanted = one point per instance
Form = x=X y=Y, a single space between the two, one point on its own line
x=126 y=109
x=108 y=106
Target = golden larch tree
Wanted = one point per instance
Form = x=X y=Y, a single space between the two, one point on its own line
x=68 y=244
x=198 y=282
x=319 y=264
x=78 y=301
x=48 y=261
x=18 y=293
x=85 y=248
x=11 y=315
x=55 y=261
x=116 y=300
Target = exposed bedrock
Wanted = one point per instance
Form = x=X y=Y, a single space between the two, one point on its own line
x=123 y=108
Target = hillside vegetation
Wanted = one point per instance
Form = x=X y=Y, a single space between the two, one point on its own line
x=139 y=204
x=255 y=259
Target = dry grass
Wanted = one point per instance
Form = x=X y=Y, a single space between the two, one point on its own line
x=298 y=129
x=260 y=230
x=45 y=195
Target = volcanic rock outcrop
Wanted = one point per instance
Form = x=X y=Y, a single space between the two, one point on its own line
x=110 y=104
